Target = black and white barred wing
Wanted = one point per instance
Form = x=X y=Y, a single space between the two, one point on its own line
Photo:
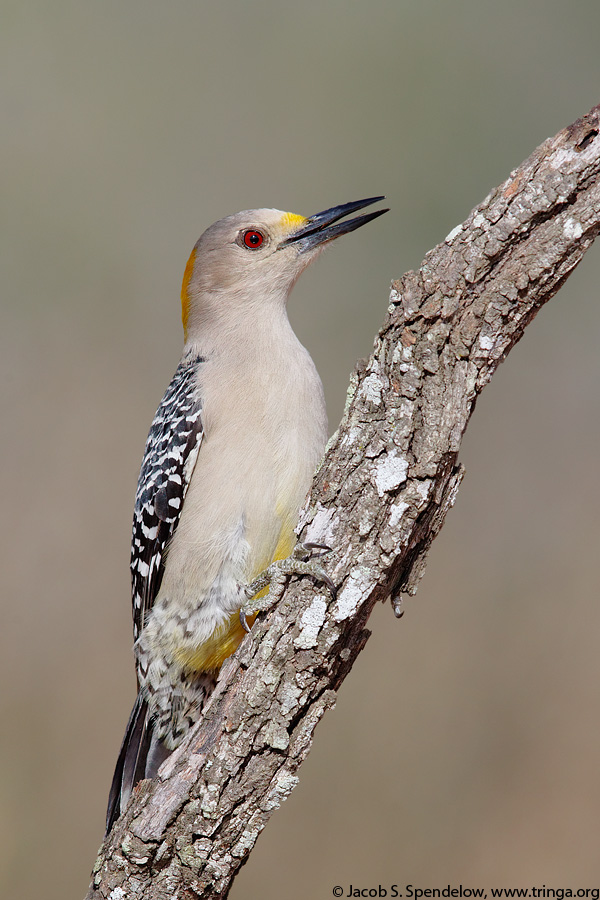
x=169 y=458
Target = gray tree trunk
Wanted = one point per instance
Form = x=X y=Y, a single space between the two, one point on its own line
x=380 y=497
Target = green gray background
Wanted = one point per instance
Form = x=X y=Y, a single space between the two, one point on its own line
x=464 y=747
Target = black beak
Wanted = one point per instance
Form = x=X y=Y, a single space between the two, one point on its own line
x=320 y=228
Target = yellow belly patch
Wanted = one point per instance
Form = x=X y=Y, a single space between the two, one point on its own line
x=210 y=656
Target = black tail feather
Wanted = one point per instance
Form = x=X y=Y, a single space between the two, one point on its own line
x=131 y=764
x=142 y=751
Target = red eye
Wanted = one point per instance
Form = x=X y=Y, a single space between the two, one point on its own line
x=253 y=239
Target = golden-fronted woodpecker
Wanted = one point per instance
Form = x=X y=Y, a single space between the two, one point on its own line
x=228 y=462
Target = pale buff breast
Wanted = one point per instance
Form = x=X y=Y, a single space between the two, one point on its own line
x=263 y=439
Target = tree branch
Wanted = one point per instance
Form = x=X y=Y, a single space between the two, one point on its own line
x=380 y=497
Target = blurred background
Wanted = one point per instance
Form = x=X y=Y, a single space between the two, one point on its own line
x=464 y=746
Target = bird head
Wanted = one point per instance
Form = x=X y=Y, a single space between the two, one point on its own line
x=251 y=260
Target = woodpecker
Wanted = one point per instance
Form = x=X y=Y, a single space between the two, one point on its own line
x=228 y=462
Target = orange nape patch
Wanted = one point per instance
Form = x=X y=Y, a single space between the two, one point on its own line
x=185 y=297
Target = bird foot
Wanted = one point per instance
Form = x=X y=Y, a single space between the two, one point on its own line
x=276 y=575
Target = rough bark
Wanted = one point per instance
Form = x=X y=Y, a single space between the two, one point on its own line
x=381 y=495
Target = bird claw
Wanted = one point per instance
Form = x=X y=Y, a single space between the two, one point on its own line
x=275 y=577
x=312 y=545
x=397 y=606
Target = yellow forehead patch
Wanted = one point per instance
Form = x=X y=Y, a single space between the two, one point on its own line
x=185 y=297
x=290 y=221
